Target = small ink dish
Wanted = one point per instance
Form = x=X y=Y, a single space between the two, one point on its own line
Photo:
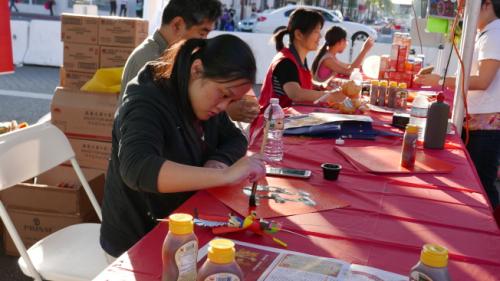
x=331 y=171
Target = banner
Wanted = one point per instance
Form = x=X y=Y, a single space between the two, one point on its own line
x=6 y=59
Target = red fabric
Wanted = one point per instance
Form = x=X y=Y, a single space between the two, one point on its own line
x=388 y=220
x=6 y=59
x=267 y=92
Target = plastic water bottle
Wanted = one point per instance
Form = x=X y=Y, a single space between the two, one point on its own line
x=418 y=114
x=274 y=145
x=356 y=76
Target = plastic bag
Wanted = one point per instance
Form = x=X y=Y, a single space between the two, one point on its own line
x=105 y=80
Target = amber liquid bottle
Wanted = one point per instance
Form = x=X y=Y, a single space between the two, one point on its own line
x=180 y=249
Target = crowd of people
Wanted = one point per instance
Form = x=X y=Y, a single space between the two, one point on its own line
x=174 y=134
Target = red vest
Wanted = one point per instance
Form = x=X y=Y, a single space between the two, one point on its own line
x=267 y=91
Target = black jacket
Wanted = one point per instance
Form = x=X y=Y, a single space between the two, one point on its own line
x=147 y=131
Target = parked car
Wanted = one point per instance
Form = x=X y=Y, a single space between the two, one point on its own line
x=270 y=23
x=247 y=25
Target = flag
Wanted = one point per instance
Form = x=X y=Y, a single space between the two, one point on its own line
x=6 y=59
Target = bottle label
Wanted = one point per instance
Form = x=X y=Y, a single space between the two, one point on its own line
x=185 y=259
x=276 y=124
x=222 y=277
x=419 y=276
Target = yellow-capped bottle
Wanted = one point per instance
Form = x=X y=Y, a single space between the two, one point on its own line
x=180 y=249
x=220 y=263
x=382 y=92
x=433 y=264
x=391 y=94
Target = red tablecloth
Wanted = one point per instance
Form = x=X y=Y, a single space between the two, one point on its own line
x=389 y=218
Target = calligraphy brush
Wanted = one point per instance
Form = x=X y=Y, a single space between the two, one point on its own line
x=252 y=200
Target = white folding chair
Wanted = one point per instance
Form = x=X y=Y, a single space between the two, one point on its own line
x=72 y=253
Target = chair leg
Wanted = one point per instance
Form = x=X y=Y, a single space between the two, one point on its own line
x=11 y=229
x=87 y=188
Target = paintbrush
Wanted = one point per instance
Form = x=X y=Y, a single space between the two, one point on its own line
x=252 y=200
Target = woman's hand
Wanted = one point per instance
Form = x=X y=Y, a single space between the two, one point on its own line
x=251 y=168
x=427 y=79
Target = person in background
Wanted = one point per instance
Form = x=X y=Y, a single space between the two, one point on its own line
x=483 y=97
x=184 y=19
x=13 y=5
x=123 y=8
x=112 y=8
x=139 y=8
x=326 y=64
x=172 y=137
x=288 y=77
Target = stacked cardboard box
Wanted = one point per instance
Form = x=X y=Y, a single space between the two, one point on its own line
x=54 y=200
x=398 y=66
x=90 y=43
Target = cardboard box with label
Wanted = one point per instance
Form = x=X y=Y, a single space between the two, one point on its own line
x=42 y=206
x=84 y=115
x=122 y=32
x=79 y=29
x=57 y=191
x=33 y=226
x=81 y=57
x=73 y=80
x=91 y=154
x=114 y=56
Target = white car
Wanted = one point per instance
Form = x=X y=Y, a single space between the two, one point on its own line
x=278 y=19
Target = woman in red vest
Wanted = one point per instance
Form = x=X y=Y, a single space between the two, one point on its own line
x=288 y=77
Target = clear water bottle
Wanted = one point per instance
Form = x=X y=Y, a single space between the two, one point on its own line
x=356 y=76
x=274 y=145
x=418 y=114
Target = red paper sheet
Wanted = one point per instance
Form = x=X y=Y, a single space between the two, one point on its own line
x=236 y=199
x=384 y=159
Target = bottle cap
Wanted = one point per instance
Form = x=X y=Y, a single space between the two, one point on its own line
x=221 y=251
x=434 y=255
x=393 y=84
x=402 y=85
x=374 y=82
x=274 y=100
x=180 y=224
x=440 y=97
x=383 y=83
x=411 y=128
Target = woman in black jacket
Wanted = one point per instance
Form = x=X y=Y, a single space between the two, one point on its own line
x=172 y=137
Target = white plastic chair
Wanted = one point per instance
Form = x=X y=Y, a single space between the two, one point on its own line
x=72 y=253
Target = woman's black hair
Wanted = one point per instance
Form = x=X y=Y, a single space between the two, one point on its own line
x=225 y=58
x=334 y=35
x=304 y=20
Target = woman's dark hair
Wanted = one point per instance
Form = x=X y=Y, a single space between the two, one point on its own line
x=334 y=35
x=225 y=58
x=496 y=6
x=304 y=20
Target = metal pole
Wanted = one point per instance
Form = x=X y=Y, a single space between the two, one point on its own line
x=472 y=8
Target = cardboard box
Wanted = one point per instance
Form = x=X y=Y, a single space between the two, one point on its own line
x=84 y=115
x=47 y=195
x=73 y=80
x=92 y=154
x=79 y=29
x=33 y=226
x=122 y=32
x=81 y=57
x=114 y=56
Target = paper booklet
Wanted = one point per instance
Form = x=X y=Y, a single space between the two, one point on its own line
x=261 y=263
x=318 y=118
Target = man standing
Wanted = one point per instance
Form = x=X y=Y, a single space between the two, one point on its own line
x=483 y=98
x=184 y=19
